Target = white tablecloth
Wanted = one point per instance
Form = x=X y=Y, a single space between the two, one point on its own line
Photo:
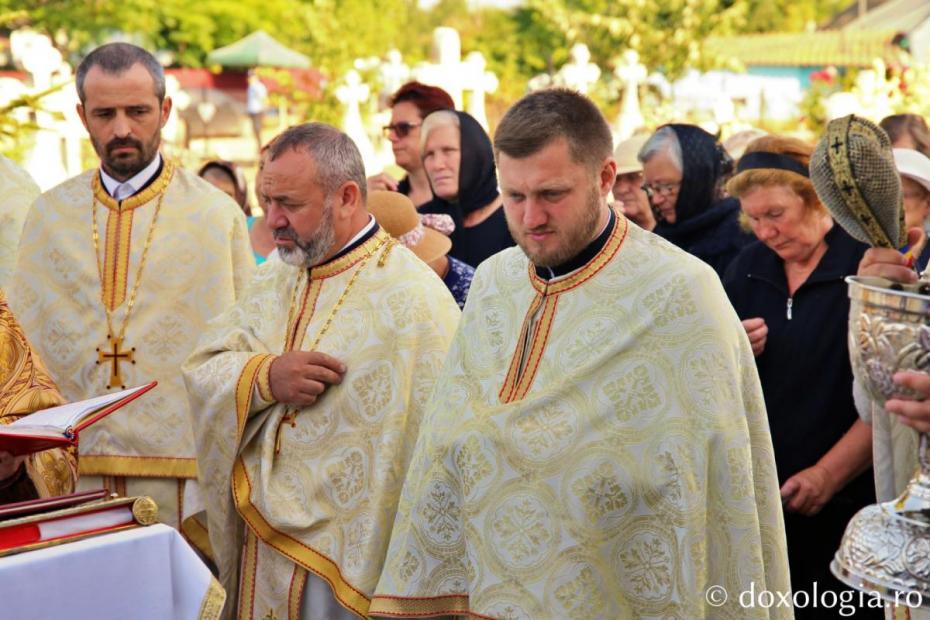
x=147 y=573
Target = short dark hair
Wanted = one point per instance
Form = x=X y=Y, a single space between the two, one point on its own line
x=540 y=118
x=116 y=58
x=426 y=98
x=335 y=155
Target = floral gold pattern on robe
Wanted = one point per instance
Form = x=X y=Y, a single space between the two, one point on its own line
x=325 y=502
x=25 y=387
x=198 y=260
x=609 y=459
x=17 y=193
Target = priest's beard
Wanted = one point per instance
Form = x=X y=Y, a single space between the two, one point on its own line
x=572 y=236
x=309 y=253
x=126 y=166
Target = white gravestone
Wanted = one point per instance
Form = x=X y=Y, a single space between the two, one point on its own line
x=351 y=94
x=632 y=74
x=35 y=53
x=580 y=74
x=446 y=69
x=478 y=82
x=393 y=74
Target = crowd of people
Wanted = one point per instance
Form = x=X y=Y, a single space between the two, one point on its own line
x=540 y=376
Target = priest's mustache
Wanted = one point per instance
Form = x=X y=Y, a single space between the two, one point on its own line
x=290 y=233
x=117 y=143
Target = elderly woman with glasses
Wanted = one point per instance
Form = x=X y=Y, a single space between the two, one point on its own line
x=683 y=171
x=459 y=162
x=409 y=106
x=789 y=290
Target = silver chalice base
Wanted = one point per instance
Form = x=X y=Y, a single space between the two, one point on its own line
x=886 y=552
x=886 y=547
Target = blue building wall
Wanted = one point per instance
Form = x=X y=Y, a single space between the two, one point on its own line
x=802 y=74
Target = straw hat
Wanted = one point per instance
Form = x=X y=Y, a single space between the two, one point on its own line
x=398 y=216
x=626 y=153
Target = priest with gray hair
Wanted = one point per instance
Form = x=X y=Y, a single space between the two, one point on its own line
x=311 y=389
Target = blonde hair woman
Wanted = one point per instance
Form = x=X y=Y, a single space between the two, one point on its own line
x=788 y=289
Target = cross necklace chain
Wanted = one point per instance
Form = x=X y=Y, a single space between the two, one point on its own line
x=113 y=351
x=294 y=322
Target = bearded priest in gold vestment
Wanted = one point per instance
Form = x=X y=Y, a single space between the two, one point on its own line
x=311 y=389
x=17 y=193
x=596 y=446
x=25 y=387
x=119 y=271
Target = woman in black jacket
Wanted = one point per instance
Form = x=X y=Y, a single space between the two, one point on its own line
x=789 y=290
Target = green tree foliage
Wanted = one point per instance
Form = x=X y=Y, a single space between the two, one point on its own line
x=517 y=44
x=188 y=30
x=781 y=16
x=666 y=33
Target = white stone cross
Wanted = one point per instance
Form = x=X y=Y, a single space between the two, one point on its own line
x=632 y=74
x=352 y=93
x=36 y=54
x=478 y=82
x=579 y=74
x=393 y=74
x=446 y=69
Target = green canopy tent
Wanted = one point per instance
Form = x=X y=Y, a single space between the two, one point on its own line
x=259 y=49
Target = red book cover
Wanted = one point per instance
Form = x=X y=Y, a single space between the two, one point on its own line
x=37 y=506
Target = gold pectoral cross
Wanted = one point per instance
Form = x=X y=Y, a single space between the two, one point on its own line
x=115 y=356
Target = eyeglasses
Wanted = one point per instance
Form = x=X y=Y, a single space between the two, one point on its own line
x=400 y=129
x=662 y=189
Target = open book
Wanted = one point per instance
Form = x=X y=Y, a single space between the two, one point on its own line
x=60 y=426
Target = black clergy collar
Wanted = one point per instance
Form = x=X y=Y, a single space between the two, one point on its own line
x=149 y=181
x=582 y=258
x=374 y=228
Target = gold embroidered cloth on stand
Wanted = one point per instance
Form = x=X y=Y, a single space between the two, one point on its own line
x=198 y=261
x=324 y=502
x=609 y=459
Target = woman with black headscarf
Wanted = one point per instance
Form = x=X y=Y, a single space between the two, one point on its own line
x=459 y=162
x=684 y=169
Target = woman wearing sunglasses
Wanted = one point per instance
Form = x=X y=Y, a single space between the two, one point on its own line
x=459 y=162
x=409 y=106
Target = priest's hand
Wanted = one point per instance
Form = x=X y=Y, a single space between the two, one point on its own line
x=299 y=377
x=913 y=413
x=891 y=264
x=757 y=331
x=808 y=491
x=9 y=464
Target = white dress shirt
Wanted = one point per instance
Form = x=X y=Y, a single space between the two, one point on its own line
x=125 y=189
